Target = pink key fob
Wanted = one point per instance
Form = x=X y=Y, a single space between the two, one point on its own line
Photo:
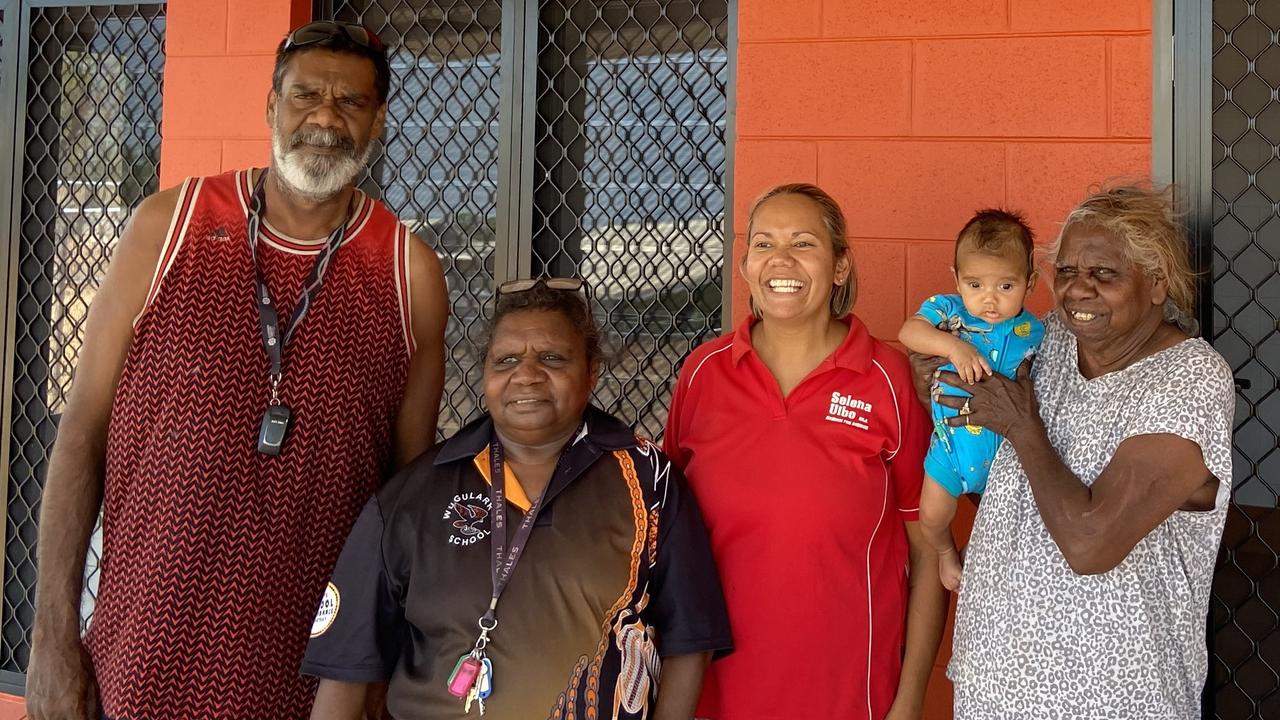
x=464 y=676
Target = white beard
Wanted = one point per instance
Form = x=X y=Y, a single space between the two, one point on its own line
x=315 y=177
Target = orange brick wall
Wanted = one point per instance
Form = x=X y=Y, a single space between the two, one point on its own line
x=218 y=60
x=915 y=114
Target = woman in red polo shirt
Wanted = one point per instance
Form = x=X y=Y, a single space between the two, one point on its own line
x=803 y=440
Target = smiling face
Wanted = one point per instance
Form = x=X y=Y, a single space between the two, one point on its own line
x=323 y=121
x=1102 y=298
x=993 y=286
x=537 y=378
x=790 y=265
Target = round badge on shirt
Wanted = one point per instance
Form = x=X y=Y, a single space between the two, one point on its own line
x=328 y=610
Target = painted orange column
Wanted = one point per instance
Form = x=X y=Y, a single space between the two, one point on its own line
x=218 y=60
x=914 y=115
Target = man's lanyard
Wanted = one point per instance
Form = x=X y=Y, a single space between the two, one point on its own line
x=275 y=422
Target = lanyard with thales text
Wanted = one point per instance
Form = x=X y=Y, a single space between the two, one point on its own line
x=275 y=421
x=472 y=676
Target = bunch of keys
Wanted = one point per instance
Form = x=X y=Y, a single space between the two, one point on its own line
x=482 y=688
x=472 y=679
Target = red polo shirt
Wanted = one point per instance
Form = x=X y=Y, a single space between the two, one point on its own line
x=805 y=498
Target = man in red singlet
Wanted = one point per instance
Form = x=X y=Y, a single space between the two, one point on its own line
x=265 y=348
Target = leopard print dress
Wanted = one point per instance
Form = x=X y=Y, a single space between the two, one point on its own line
x=1035 y=640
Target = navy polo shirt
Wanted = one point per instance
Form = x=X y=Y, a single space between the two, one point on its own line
x=617 y=573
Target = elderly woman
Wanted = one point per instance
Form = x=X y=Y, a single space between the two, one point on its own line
x=802 y=439
x=1087 y=578
x=537 y=564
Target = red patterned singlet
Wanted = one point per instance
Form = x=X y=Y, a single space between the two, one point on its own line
x=215 y=556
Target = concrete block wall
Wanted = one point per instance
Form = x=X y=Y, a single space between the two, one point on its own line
x=218 y=60
x=913 y=115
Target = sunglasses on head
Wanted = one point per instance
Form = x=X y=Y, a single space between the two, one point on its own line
x=569 y=285
x=315 y=32
x=527 y=284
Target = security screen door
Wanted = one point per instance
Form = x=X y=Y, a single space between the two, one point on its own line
x=80 y=98
x=1242 y=311
x=577 y=138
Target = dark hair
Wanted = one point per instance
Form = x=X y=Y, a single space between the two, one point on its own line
x=844 y=296
x=997 y=232
x=338 y=43
x=540 y=298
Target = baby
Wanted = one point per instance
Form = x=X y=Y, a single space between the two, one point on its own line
x=980 y=330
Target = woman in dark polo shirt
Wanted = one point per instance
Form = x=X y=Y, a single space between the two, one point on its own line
x=601 y=567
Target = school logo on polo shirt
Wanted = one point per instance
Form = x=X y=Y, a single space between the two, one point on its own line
x=468 y=514
x=848 y=410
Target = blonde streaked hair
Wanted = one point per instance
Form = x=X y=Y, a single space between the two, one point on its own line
x=845 y=294
x=1144 y=217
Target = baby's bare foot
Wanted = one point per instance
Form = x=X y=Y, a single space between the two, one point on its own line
x=949 y=570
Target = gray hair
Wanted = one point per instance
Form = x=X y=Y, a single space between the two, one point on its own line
x=1144 y=218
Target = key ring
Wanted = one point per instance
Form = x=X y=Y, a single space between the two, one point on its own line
x=483 y=641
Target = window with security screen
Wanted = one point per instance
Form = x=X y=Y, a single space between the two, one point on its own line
x=437 y=168
x=88 y=120
x=580 y=138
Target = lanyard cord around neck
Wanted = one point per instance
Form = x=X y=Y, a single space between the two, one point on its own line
x=272 y=339
x=504 y=560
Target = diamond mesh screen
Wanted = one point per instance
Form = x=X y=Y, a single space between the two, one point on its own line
x=1245 y=610
x=438 y=165
x=628 y=178
x=90 y=153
